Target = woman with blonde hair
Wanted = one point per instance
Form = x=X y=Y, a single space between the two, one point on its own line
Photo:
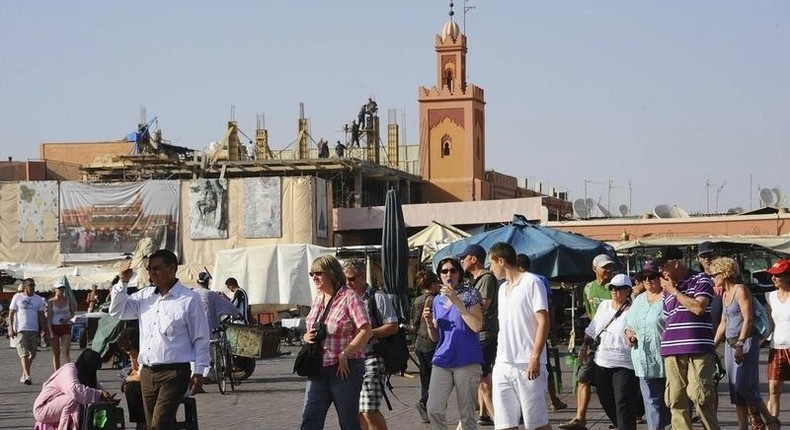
x=742 y=348
x=60 y=311
x=343 y=334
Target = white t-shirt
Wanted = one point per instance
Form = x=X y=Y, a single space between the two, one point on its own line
x=612 y=352
x=780 y=312
x=518 y=322
x=27 y=309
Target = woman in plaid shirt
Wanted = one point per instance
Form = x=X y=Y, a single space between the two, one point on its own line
x=343 y=335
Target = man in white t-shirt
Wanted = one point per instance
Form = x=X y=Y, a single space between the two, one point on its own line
x=519 y=377
x=26 y=321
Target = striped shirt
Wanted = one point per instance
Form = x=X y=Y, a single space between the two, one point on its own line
x=345 y=317
x=687 y=333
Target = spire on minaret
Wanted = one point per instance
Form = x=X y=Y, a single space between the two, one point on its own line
x=451 y=11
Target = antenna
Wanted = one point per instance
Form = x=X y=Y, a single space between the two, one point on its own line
x=466 y=9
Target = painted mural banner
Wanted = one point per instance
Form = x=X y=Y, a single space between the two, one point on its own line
x=38 y=211
x=107 y=221
x=262 y=207
x=208 y=208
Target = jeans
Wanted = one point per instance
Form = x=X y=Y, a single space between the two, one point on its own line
x=425 y=361
x=617 y=392
x=327 y=388
x=656 y=412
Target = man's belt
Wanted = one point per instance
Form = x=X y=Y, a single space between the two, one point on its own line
x=163 y=367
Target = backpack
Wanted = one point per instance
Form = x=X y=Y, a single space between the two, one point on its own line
x=762 y=326
x=393 y=349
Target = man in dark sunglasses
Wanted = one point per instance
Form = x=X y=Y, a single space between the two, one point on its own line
x=473 y=261
x=706 y=253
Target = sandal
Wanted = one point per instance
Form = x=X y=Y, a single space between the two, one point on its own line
x=772 y=423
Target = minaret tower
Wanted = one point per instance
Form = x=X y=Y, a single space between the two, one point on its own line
x=452 y=125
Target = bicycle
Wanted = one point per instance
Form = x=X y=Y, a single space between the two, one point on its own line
x=222 y=361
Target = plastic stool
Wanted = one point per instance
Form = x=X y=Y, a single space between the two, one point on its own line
x=103 y=416
x=190 y=415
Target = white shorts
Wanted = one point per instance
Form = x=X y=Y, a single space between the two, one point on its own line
x=515 y=396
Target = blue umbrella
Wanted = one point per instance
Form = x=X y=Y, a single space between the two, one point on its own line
x=395 y=253
x=555 y=254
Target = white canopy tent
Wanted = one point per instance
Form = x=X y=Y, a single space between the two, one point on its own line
x=433 y=238
x=275 y=274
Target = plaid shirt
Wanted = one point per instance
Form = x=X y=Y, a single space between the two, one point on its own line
x=343 y=321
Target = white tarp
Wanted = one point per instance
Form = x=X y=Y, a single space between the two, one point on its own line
x=79 y=277
x=775 y=243
x=435 y=237
x=276 y=274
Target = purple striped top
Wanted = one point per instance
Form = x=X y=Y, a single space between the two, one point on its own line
x=685 y=332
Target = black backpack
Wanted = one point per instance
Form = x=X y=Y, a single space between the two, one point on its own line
x=393 y=349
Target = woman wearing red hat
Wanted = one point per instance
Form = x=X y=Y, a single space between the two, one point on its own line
x=778 y=308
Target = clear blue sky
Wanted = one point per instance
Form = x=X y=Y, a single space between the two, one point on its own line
x=665 y=94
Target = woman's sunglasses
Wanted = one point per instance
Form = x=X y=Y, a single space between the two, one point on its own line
x=446 y=271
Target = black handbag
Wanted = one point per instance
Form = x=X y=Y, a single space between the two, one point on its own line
x=310 y=357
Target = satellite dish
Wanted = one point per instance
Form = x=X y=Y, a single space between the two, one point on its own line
x=667 y=211
x=678 y=212
x=623 y=210
x=604 y=211
x=735 y=210
x=662 y=211
x=781 y=198
x=768 y=197
x=580 y=206
x=590 y=204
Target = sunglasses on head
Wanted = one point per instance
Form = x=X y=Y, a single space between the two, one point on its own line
x=652 y=277
x=452 y=270
x=315 y=274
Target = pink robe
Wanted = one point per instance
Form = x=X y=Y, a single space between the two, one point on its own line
x=61 y=399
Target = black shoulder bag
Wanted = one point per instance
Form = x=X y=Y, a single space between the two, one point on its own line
x=597 y=340
x=309 y=359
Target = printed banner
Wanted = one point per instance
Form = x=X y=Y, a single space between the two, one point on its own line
x=262 y=207
x=107 y=221
x=38 y=211
x=321 y=218
x=208 y=208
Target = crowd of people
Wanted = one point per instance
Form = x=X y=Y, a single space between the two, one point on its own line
x=481 y=328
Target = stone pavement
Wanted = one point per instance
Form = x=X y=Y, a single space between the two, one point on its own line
x=272 y=398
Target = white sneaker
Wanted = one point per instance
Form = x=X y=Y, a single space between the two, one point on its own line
x=27 y=380
x=22 y=379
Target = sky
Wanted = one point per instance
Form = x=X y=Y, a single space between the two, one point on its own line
x=640 y=103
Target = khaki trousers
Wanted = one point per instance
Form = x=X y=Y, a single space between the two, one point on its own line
x=690 y=379
x=162 y=393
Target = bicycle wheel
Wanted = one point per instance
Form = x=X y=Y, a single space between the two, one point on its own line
x=220 y=367
x=229 y=370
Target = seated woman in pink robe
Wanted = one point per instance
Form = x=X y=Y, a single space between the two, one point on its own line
x=65 y=392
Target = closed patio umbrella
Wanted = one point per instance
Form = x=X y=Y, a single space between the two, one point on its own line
x=395 y=253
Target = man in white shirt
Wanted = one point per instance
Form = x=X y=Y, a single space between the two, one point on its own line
x=519 y=377
x=26 y=321
x=173 y=332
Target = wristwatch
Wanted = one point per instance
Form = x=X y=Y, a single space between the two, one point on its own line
x=739 y=343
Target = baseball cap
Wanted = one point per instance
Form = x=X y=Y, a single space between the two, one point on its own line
x=203 y=277
x=619 y=281
x=602 y=260
x=668 y=253
x=782 y=265
x=705 y=248
x=649 y=268
x=476 y=250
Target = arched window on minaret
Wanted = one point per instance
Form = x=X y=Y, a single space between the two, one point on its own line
x=448 y=79
x=478 y=147
x=446 y=146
